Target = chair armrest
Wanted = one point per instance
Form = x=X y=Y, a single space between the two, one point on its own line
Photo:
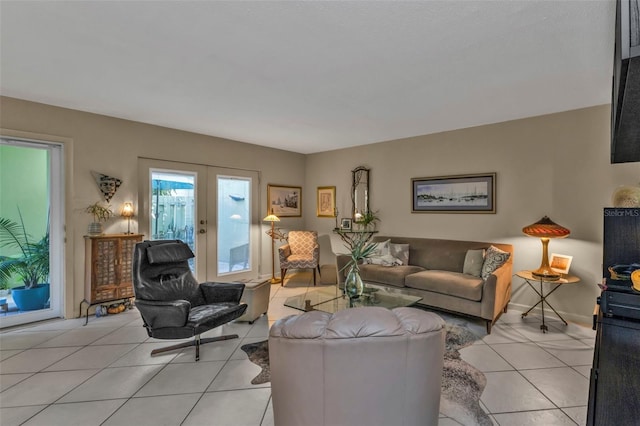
x=159 y=314
x=222 y=292
x=342 y=260
x=284 y=251
x=316 y=253
x=496 y=293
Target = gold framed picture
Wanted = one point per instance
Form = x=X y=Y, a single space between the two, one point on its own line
x=284 y=201
x=326 y=201
x=474 y=193
x=560 y=263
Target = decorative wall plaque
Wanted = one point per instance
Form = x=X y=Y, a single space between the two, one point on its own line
x=108 y=185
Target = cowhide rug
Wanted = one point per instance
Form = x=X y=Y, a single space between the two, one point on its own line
x=462 y=383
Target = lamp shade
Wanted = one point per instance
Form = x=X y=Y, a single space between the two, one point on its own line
x=127 y=210
x=546 y=228
x=271 y=218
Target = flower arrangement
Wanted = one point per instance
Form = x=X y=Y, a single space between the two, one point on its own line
x=367 y=220
x=99 y=212
x=360 y=247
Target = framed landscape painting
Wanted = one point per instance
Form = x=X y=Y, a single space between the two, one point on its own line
x=454 y=194
x=284 y=201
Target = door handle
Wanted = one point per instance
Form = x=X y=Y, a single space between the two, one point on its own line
x=203 y=231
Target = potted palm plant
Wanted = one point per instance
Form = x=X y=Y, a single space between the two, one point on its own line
x=100 y=214
x=31 y=265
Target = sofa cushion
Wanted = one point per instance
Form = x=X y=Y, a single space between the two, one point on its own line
x=473 y=262
x=394 y=275
x=493 y=259
x=443 y=255
x=451 y=283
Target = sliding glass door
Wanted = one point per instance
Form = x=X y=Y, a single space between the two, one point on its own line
x=31 y=231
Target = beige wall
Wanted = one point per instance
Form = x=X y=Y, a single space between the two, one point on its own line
x=556 y=165
x=112 y=146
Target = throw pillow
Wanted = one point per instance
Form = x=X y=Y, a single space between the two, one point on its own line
x=385 y=260
x=382 y=249
x=493 y=259
x=400 y=252
x=473 y=262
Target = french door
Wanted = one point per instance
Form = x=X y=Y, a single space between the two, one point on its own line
x=31 y=184
x=214 y=210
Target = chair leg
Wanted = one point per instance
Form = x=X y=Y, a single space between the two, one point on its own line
x=197 y=341
x=319 y=273
x=489 y=324
x=283 y=272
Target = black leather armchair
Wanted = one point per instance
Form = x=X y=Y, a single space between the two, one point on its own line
x=172 y=303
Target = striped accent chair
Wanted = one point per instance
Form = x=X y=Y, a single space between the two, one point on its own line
x=301 y=252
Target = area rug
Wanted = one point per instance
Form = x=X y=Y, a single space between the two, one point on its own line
x=462 y=383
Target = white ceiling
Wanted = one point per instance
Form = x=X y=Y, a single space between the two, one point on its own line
x=309 y=76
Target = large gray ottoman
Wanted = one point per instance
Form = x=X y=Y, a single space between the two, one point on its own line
x=256 y=296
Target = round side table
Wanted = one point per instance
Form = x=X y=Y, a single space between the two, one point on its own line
x=531 y=279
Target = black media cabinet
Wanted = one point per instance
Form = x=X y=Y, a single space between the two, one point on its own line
x=614 y=386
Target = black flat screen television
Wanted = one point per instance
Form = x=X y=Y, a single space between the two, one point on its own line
x=625 y=98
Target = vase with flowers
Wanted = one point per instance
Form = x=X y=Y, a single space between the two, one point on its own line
x=100 y=214
x=360 y=247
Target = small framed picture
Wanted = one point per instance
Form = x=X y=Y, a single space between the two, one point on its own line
x=345 y=224
x=560 y=263
x=326 y=201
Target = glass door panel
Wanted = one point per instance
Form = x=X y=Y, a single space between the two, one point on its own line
x=172 y=212
x=169 y=206
x=233 y=233
x=214 y=210
x=234 y=224
x=31 y=231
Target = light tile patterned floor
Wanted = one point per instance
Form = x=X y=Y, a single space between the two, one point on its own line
x=64 y=373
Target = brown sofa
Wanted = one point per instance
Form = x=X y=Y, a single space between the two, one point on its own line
x=320 y=377
x=434 y=272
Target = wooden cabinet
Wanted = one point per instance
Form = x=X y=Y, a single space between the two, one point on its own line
x=615 y=382
x=108 y=266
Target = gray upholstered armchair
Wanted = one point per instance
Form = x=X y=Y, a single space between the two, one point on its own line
x=361 y=366
x=172 y=303
x=301 y=252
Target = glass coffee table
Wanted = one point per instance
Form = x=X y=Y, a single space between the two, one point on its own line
x=331 y=299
